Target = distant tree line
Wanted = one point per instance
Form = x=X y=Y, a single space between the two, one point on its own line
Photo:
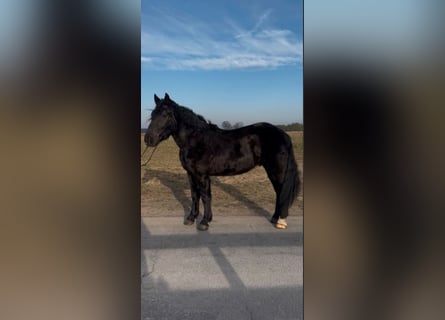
x=226 y=125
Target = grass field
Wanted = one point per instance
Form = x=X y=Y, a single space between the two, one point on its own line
x=165 y=190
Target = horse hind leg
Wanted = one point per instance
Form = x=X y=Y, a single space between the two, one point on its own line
x=288 y=189
x=277 y=175
x=281 y=212
x=281 y=208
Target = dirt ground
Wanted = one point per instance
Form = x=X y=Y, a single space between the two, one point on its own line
x=165 y=190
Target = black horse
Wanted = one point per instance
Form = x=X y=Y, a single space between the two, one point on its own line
x=205 y=150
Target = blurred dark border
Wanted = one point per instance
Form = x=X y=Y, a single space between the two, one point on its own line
x=70 y=166
x=374 y=151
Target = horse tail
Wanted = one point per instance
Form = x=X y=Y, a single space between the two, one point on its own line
x=291 y=183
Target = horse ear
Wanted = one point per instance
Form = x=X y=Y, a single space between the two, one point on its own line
x=157 y=100
x=167 y=98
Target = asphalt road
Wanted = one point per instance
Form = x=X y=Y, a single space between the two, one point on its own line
x=241 y=268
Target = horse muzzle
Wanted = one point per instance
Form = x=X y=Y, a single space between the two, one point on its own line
x=150 y=141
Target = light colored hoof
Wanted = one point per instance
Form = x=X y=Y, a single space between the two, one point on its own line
x=281 y=224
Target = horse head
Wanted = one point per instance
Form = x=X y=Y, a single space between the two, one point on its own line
x=163 y=122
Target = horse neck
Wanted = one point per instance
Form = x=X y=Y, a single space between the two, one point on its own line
x=185 y=129
x=181 y=136
x=183 y=132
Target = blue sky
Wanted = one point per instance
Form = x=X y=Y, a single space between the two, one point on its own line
x=226 y=60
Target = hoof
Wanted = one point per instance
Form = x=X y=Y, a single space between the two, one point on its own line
x=203 y=226
x=188 y=222
x=281 y=224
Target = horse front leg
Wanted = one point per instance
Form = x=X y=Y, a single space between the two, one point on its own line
x=194 y=212
x=206 y=196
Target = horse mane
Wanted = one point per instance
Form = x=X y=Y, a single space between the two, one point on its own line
x=192 y=119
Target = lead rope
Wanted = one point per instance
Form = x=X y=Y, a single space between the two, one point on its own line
x=149 y=158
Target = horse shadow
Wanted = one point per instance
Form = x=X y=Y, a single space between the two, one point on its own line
x=238 y=195
x=179 y=186
x=176 y=182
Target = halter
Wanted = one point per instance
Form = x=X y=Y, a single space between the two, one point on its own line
x=149 y=158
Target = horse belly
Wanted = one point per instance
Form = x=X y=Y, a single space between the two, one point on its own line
x=223 y=160
x=228 y=165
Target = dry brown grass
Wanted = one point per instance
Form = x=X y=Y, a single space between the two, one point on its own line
x=165 y=190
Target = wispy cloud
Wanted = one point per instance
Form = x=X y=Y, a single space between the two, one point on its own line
x=181 y=43
x=258 y=24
